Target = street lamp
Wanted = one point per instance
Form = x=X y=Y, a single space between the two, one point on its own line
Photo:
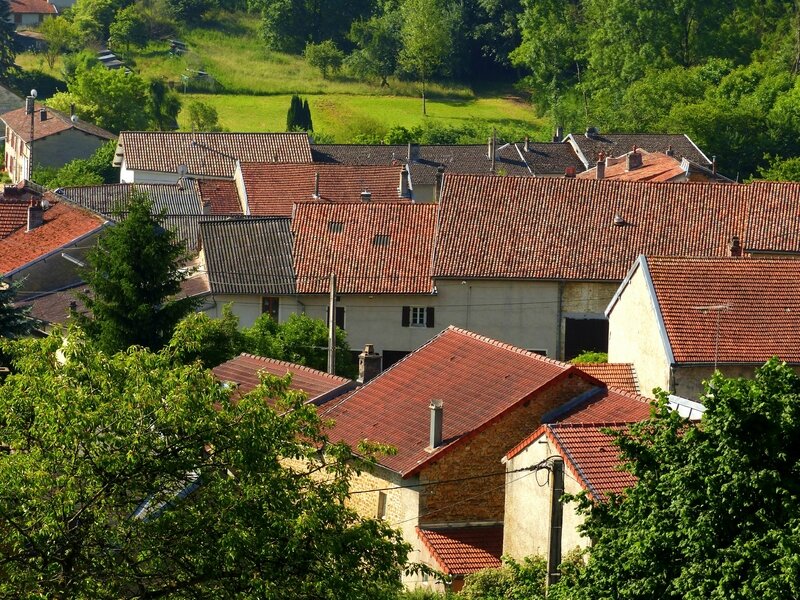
x=30 y=109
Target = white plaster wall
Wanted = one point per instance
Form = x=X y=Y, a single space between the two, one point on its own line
x=634 y=336
x=526 y=525
x=127 y=175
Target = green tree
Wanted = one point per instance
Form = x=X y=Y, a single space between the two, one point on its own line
x=427 y=35
x=203 y=117
x=513 y=581
x=308 y=124
x=324 y=56
x=133 y=274
x=128 y=476
x=295 y=116
x=781 y=169
x=111 y=99
x=14 y=321
x=93 y=18
x=59 y=36
x=198 y=337
x=379 y=45
x=128 y=28
x=191 y=11
x=8 y=43
x=302 y=340
x=164 y=105
x=716 y=510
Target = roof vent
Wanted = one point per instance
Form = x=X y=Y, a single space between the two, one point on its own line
x=619 y=220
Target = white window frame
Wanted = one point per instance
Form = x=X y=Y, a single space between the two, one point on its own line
x=418 y=316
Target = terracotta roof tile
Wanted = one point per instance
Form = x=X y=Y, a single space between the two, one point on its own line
x=209 y=154
x=656 y=166
x=244 y=370
x=272 y=189
x=13 y=215
x=477 y=379
x=221 y=195
x=374 y=248
x=463 y=550
x=36 y=7
x=56 y=122
x=63 y=223
x=762 y=314
x=591 y=456
x=616 y=375
x=547 y=228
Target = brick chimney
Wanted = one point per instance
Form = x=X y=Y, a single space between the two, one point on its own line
x=633 y=160
x=735 y=247
x=43 y=114
x=35 y=215
x=600 y=167
x=370 y=364
x=403 y=190
x=436 y=423
x=569 y=172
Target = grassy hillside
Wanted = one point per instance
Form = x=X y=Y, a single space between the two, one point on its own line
x=252 y=87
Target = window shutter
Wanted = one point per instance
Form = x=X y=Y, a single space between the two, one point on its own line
x=406 y=316
x=429 y=317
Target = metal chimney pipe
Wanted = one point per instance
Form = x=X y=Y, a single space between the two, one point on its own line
x=436 y=423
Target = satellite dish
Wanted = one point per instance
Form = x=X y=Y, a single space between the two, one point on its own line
x=74 y=119
x=182 y=170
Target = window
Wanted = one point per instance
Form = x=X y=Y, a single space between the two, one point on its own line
x=584 y=335
x=381 y=512
x=381 y=239
x=339 y=316
x=417 y=316
x=269 y=305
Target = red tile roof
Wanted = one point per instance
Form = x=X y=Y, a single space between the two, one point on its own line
x=616 y=375
x=244 y=370
x=208 y=154
x=463 y=550
x=591 y=456
x=55 y=122
x=13 y=215
x=656 y=166
x=221 y=195
x=761 y=317
x=272 y=189
x=374 y=248
x=36 y=7
x=602 y=405
x=477 y=379
x=541 y=228
x=63 y=223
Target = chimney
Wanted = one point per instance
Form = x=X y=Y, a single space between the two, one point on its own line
x=735 y=247
x=591 y=132
x=670 y=151
x=714 y=165
x=569 y=172
x=436 y=423
x=408 y=157
x=558 y=137
x=492 y=151
x=437 y=186
x=316 y=184
x=634 y=160
x=600 y=168
x=527 y=146
x=366 y=196
x=370 y=364
x=35 y=215
x=402 y=191
x=206 y=208
x=43 y=114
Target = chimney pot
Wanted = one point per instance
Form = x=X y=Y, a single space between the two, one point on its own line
x=735 y=247
x=634 y=160
x=403 y=190
x=600 y=167
x=370 y=364
x=436 y=423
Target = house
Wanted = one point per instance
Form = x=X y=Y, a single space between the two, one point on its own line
x=46 y=242
x=591 y=144
x=53 y=137
x=451 y=409
x=244 y=372
x=575 y=451
x=271 y=189
x=29 y=13
x=679 y=319
x=535 y=261
x=640 y=165
x=166 y=156
x=180 y=204
x=550 y=159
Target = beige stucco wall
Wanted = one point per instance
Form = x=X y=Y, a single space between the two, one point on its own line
x=634 y=336
x=526 y=529
x=688 y=381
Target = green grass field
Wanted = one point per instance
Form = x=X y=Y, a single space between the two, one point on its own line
x=253 y=86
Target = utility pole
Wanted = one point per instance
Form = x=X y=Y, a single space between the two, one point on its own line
x=30 y=108
x=332 y=327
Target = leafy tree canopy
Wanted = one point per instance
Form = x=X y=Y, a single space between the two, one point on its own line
x=14 y=321
x=716 y=510
x=133 y=274
x=324 y=56
x=203 y=117
x=125 y=476
x=8 y=44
